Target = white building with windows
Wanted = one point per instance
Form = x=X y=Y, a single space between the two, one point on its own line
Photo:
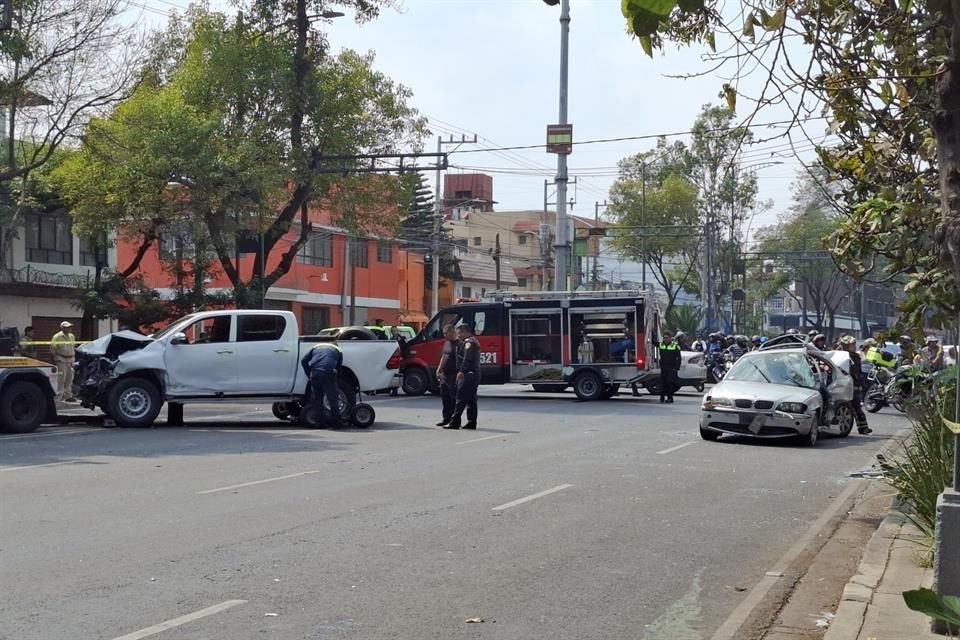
x=43 y=270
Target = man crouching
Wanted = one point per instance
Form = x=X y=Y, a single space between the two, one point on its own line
x=322 y=366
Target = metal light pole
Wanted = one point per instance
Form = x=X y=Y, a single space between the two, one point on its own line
x=562 y=247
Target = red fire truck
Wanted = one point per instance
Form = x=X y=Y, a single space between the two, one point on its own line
x=594 y=341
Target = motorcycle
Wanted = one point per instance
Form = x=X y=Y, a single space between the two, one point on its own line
x=886 y=389
x=717 y=366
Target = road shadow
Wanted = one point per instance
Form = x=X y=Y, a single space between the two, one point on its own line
x=825 y=440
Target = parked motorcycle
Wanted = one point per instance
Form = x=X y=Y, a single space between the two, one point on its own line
x=886 y=389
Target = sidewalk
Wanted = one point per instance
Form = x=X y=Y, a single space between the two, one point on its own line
x=872 y=606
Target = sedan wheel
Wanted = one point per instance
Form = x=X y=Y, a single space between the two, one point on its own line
x=843 y=413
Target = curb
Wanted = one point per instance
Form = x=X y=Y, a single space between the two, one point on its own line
x=859 y=591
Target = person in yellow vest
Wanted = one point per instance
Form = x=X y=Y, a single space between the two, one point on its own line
x=669 y=367
x=63 y=349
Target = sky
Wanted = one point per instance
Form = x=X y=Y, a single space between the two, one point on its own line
x=491 y=68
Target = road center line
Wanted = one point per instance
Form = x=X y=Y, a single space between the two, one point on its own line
x=182 y=620
x=515 y=503
x=481 y=439
x=672 y=449
x=250 y=484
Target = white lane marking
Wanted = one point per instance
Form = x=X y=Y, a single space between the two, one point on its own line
x=47 y=434
x=36 y=466
x=676 y=448
x=728 y=630
x=250 y=484
x=182 y=620
x=481 y=439
x=533 y=497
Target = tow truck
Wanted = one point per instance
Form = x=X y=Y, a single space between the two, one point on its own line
x=594 y=341
x=28 y=390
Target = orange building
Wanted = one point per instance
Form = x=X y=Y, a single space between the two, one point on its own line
x=381 y=281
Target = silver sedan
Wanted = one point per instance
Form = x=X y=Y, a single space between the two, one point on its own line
x=781 y=393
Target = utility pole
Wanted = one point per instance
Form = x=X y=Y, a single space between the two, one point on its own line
x=643 y=222
x=438 y=222
x=496 y=260
x=562 y=247
x=595 y=276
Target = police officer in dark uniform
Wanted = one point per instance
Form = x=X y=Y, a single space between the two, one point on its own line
x=669 y=367
x=447 y=373
x=322 y=364
x=468 y=378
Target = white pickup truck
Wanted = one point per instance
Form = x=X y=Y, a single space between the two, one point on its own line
x=217 y=356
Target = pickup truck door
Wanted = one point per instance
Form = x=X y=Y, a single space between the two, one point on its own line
x=207 y=363
x=267 y=348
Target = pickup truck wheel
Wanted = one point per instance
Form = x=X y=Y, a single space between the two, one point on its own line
x=134 y=402
x=588 y=386
x=415 y=382
x=23 y=406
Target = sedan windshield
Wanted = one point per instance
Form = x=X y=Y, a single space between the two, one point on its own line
x=775 y=368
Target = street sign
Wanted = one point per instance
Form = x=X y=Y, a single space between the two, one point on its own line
x=560 y=139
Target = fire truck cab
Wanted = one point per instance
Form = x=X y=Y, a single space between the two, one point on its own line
x=594 y=341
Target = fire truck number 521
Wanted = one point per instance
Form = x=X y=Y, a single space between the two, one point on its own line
x=488 y=357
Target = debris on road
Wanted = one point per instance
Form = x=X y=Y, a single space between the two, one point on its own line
x=473 y=620
x=271 y=615
x=868 y=473
x=824 y=619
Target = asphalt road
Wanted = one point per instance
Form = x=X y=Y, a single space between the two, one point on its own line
x=556 y=519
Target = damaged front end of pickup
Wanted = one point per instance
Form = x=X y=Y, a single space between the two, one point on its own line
x=96 y=365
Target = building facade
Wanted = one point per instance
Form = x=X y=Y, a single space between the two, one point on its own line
x=45 y=268
x=335 y=279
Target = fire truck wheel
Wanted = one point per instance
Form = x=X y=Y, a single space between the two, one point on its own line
x=588 y=386
x=415 y=382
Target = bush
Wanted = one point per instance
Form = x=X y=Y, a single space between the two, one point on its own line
x=924 y=467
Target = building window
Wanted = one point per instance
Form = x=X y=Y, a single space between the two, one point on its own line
x=93 y=250
x=318 y=250
x=477 y=241
x=522 y=283
x=359 y=254
x=315 y=320
x=49 y=238
x=385 y=253
x=463 y=195
x=521 y=238
x=776 y=303
x=466 y=292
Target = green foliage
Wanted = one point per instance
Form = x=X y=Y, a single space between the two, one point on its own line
x=924 y=467
x=225 y=135
x=796 y=248
x=686 y=318
x=878 y=72
x=942 y=608
x=417 y=227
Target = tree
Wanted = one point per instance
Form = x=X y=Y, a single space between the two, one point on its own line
x=650 y=214
x=796 y=249
x=725 y=197
x=61 y=63
x=885 y=77
x=417 y=228
x=233 y=133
